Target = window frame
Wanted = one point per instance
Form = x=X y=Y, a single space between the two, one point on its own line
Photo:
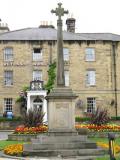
x=91 y=106
x=7 y=54
x=91 y=77
x=8 y=78
x=89 y=55
x=67 y=78
x=66 y=55
x=8 y=103
x=36 y=57
x=40 y=77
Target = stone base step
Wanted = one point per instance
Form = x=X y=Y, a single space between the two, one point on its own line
x=45 y=139
x=28 y=150
x=72 y=145
x=65 y=158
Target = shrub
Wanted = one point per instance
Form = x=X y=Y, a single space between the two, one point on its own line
x=81 y=119
x=14 y=119
x=33 y=118
x=99 y=117
x=115 y=118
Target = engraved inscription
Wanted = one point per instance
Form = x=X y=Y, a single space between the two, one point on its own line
x=62 y=115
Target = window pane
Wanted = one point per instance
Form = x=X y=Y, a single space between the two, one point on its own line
x=90 y=54
x=37 y=75
x=66 y=54
x=8 y=54
x=37 y=54
x=8 y=77
x=90 y=78
x=91 y=104
x=8 y=104
x=66 y=74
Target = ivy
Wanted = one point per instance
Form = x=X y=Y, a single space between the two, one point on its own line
x=51 y=77
x=22 y=99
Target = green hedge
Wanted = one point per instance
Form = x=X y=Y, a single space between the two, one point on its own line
x=81 y=119
x=4 y=119
x=84 y=119
x=115 y=118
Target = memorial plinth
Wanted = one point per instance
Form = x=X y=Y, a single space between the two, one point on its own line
x=61 y=111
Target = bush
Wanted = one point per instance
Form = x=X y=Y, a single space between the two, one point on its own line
x=33 y=118
x=115 y=118
x=99 y=117
x=14 y=119
x=82 y=119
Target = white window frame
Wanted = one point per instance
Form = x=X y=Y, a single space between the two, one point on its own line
x=8 y=54
x=66 y=54
x=67 y=79
x=37 y=75
x=8 y=78
x=8 y=104
x=91 y=78
x=91 y=104
x=90 y=54
x=37 y=56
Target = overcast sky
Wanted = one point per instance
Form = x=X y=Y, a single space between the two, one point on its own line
x=91 y=15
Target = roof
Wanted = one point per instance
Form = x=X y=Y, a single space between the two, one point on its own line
x=51 y=34
x=38 y=34
x=101 y=36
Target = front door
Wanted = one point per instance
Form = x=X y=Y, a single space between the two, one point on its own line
x=38 y=103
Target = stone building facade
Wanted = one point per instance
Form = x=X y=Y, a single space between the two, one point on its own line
x=92 y=63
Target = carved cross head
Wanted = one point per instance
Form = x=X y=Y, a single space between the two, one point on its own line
x=59 y=11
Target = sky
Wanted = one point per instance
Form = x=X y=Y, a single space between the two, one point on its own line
x=92 y=16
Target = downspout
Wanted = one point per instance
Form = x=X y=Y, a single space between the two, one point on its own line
x=115 y=77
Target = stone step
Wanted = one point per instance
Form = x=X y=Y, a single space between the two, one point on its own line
x=59 y=139
x=28 y=150
x=73 y=145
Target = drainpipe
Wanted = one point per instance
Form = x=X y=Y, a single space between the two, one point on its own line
x=115 y=77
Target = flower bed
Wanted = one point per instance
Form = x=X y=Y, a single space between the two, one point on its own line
x=102 y=128
x=14 y=150
x=106 y=146
x=30 y=130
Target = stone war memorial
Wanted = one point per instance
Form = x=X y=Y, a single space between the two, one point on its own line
x=62 y=139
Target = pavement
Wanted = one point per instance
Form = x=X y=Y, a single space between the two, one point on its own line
x=4 y=134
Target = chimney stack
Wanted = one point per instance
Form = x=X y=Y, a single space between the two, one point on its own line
x=71 y=25
x=3 y=27
x=46 y=24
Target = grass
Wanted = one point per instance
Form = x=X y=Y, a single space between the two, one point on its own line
x=4 y=143
x=105 y=140
x=107 y=158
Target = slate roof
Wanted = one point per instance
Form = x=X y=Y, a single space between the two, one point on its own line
x=51 y=34
x=101 y=36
